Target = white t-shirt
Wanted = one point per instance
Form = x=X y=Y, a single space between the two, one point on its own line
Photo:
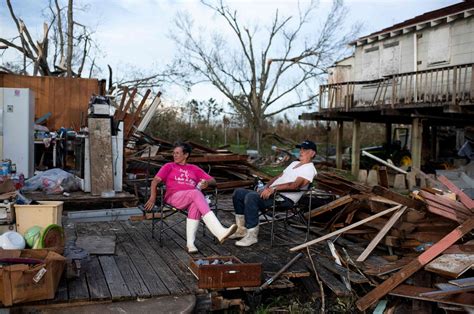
x=290 y=174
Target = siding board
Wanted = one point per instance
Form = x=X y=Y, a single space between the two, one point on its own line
x=65 y=98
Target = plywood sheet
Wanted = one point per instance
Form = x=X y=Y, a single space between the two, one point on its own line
x=100 y=139
x=452 y=265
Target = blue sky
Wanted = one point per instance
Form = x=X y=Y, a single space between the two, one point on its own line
x=134 y=33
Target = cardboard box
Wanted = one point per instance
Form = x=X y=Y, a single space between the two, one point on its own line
x=226 y=275
x=43 y=215
x=18 y=282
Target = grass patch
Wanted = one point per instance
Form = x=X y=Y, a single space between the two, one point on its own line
x=272 y=170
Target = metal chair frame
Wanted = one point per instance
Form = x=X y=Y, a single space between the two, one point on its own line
x=172 y=210
x=295 y=209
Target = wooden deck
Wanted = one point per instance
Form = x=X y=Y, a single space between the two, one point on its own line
x=140 y=268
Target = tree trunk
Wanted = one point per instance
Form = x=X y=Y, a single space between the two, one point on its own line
x=70 y=33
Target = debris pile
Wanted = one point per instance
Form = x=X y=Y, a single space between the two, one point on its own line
x=418 y=247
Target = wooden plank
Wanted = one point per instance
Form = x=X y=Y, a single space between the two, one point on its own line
x=446 y=289
x=117 y=286
x=122 y=99
x=136 y=114
x=383 y=177
x=352 y=226
x=445 y=202
x=396 y=197
x=330 y=206
x=167 y=276
x=381 y=234
x=121 y=115
x=381 y=290
x=447 y=213
x=61 y=293
x=339 y=270
x=97 y=245
x=102 y=178
x=98 y=288
x=334 y=284
x=466 y=200
x=152 y=281
x=383 y=200
x=130 y=274
x=173 y=255
x=77 y=287
x=413 y=292
x=464 y=282
x=451 y=265
x=460 y=249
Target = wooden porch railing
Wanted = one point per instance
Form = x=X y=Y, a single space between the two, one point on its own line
x=453 y=85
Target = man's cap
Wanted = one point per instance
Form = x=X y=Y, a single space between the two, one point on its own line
x=307 y=145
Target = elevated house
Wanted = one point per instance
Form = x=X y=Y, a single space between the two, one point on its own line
x=418 y=72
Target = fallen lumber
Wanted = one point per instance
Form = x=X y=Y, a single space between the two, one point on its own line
x=328 y=207
x=413 y=292
x=381 y=234
x=446 y=289
x=445 y=202
x=451 y=265
x=364 y=153
x=388 y=285
x=330 y=235
x=447 y=213
x=466 y=200
x=396 y=197
x=464 y=282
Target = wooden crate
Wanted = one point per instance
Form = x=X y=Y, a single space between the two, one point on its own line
x=218 y=276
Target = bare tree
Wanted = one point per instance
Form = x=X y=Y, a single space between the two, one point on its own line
x=44 y=57
x=263 y=82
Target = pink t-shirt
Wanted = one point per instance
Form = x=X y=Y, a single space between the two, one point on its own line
x=178 y=177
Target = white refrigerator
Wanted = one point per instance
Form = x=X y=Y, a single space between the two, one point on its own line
x=17 y=110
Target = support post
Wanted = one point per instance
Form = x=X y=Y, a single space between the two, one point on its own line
x=388 y=138
x=355 y=154
x=416 y=142
x=339 y=147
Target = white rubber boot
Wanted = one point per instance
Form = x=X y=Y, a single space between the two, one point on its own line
x=214 y=225
x=192 y=226
x=241 y=230
x=250 y=238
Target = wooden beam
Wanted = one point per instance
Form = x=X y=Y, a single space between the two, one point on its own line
x=444 y=202
x=464 y=282
x=121 y=115
x=330 y=235
x=446 y=289
x=355 y=154
x=466 y=200
x=412 y=292
x=416 y=142
x=381 y=234
x=388 y=285
x=396 y=197
x=339 y=146
x=328 y=207
x=446 y=213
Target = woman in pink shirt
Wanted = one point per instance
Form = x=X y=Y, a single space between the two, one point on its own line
x=181 y=181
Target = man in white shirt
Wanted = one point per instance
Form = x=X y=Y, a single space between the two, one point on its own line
x=248 y=203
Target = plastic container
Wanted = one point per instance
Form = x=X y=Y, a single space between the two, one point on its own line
x=5 y=167
x=43 y=215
